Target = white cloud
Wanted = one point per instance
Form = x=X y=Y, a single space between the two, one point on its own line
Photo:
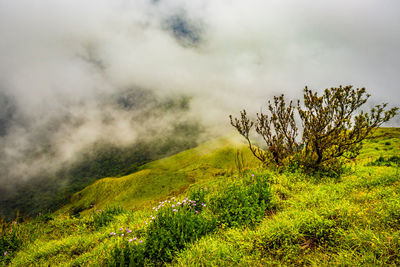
x=59 y=57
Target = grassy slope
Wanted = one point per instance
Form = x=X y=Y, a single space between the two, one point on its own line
x=351 y=221
x=169 y=176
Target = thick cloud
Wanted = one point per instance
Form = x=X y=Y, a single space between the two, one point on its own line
x=60 y=60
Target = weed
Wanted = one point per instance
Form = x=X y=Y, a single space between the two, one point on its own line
x=10 y=241
x=199 y=197
x=104 y=217
x=317 y=230
x=128 y=253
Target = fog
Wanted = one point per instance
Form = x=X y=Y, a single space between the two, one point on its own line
x=65 y=63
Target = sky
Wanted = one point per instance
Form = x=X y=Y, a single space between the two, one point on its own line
x=66 y=58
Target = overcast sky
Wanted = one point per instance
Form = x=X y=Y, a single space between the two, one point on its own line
x=227 y=51
x=61 y=56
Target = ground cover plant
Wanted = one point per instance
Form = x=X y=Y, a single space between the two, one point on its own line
x=174 y=225
x=179 y=223
x=318 y=221
x=102 y=218
x=10 y=240
x=243 y=202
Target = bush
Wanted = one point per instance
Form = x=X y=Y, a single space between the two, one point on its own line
x=169 y=231
x=331 y=130
x=242 y=205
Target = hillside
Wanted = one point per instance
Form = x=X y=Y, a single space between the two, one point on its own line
x=169 y=176
x=352 y=220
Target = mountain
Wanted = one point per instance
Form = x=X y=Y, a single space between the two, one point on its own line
x=305 y=219
x=37 y=171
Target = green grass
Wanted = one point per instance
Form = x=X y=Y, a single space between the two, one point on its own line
x=353 y=220
x=159 y=179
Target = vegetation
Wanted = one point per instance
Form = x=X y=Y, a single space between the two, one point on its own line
x=179 y=223
x=158 y=179
x=332 y=129
x=103 y=218
x=301 y=219
x=381 y=161
x=10 y=240
x=242 y=203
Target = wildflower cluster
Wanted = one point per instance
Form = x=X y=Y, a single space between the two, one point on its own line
x=176 y=205
x=125 y=232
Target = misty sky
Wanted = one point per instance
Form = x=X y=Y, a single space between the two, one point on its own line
x=65 y=57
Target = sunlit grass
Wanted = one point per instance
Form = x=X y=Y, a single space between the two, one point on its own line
x=353 y=220
x=158 y=179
